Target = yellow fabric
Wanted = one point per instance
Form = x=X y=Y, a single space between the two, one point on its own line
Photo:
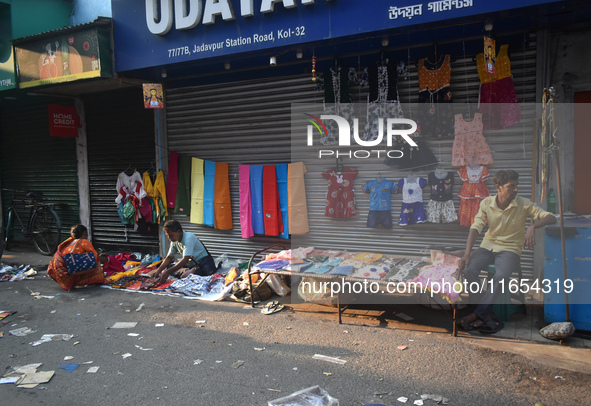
x=160 y=190
x=197 y=190
x=506 y=228
x=116 y=276
x=156 y=192
x=502 y=66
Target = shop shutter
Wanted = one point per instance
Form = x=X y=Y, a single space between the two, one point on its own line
x=120 y=135
x=249 y=123
x=32 y=160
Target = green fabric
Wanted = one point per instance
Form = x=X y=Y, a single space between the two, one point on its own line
x=183 y=192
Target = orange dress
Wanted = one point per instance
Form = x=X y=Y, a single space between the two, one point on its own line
x=472 y=192
x=57 y=267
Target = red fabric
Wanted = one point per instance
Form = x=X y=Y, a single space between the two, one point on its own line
x=340 y=198
x=172 y=180
x=271 y=208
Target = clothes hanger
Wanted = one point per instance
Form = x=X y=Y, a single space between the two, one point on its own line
x=128 y=169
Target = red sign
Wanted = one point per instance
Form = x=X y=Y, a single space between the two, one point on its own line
x=63 y=121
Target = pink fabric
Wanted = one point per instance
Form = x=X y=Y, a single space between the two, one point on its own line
x=115 y=263
x=499 y=105
x=245 y=205
x=172 y=179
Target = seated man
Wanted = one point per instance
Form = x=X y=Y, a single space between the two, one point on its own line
x=506 y=214
x=195 y=255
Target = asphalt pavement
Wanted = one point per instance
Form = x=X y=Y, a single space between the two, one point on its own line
x=191 y=352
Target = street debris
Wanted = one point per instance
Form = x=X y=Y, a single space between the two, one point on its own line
x=68 y=357
x=140 y=307
x=159 y=325
x=69 y=367
x=314 y=395
x=126 y=355
x=259 y=348
x=327 y=373
x=124 y=324
x=402 y=347
x=402 y=399
x=238 y=364
x=418 y=402
x=197 y=362
x=132 y=334
x=45 y=338
x=22 y=332
x=437 y=398
x=144 y=349
x=199 y=321
x=92 y=370
x=330 y=359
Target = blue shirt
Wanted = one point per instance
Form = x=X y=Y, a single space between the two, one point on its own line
x=189 y=246
x=379 y=193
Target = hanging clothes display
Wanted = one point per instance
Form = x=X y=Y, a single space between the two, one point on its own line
x=222 y=200
x=412 y=210
x=197 y=190
x=337 y=100
x=469 y=145
x=157 y=197
x=441 y=207
x=209 y=170
x=340 y=198
x=435 y=108
x=245 y=203
x=182 y=203
x=379 y=202
x=256 y=199
x=283 y=198
x=382 y=100
x=498 y=102
x=271 y=208
x=297 y=205
x=472 y=192
x=172 y=180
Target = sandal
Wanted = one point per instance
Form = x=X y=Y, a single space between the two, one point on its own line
x=491 y=327
x=272 y=307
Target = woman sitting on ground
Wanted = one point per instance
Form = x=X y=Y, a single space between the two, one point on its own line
x=77 y=244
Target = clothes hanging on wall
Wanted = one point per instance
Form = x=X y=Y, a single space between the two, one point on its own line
x=281 y=171
x=498 y=102
x=380 y=191
x=435 y=108
x=222 y=200
x=337 y=100
x=297 y=205
x=156 y=198
x=245 y=201
x=271 y=207
x=441 y=207
x=172 y=180
x=472 y=192
x=469 y=145
x=256 y=196
x=340 y=198
x=197 y=191
x=209 y=172
x=412 y=210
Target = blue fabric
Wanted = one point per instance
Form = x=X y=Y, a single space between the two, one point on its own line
x=281 y=171
x=412 y=213
x=208 y=193
x=256 y=199
x=379 y=193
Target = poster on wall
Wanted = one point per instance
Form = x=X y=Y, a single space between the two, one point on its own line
x=63 y=121
x=489 y=55
x=153 y=98
x=74 y=56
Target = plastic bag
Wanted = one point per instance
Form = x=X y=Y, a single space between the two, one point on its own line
x=277 y=285
x=312 y=396
x=221 y=260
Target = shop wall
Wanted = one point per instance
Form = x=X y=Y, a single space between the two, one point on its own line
x=249 y=123
x=32 y=160
x=120 y=138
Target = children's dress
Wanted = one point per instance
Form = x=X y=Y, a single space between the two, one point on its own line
x=469 y=145
x=340 y=198
x=435 y=108
x=472 y=192
x=441 y=207
x=412 y=210
x=379 y=202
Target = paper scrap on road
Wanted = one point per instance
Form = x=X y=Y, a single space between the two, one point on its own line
x=402 y=399
x=402 y=347
x=159 y=325
x=329 y=359
x=140 y=307
x=237 y=364
x=259 y=348
x=126 y=355
x=10 y=379
x=92 y=370
x=68 y=357
x=124 y=324
x=21 y=332
x=45 y=338
x=418 y=402
x=133 y=334
x=197 y=361
x=437 y=398
x=200 y=321
x=144 y=349
x=36 y=378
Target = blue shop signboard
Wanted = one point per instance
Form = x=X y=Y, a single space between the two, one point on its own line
x=160 y=32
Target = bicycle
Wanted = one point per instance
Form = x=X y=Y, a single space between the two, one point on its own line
x=43 y=226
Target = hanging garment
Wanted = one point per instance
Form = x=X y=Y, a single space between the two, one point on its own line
x=160 y=196
x=182 y=204
x=256 y=199
x=172 y=180
x=379 y=191
x=281 y=171
x=271 y=207
x=223 y=204
x=435 y=108
x=145 y=206
x=412 y=210
x=245 y=204
x=497 y=102
x=472 y=192
x=209 y=169
x=297 y=205
x=340 y=198
x=469 y=145
x=123 y=188
x=337 y=99
x=197 y=189
x=441 y=207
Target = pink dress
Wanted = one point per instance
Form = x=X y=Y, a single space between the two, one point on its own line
x=469 y=146
x=245 y=204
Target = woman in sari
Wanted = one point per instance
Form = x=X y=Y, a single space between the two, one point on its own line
x=77 y=244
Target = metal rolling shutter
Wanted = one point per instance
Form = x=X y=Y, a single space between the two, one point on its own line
x=120 y=135
x=32 y=160
x=249 y=123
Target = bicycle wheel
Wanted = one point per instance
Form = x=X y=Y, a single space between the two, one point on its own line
x=46 y=229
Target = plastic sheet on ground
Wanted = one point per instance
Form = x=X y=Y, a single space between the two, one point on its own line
x=312 y=396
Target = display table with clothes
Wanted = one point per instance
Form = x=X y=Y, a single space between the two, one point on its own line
x=438 y=272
